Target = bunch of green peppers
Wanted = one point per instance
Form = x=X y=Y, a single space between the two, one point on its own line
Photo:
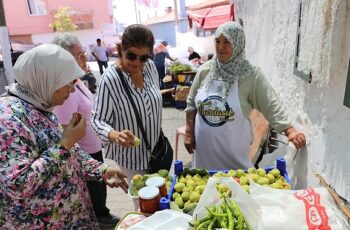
x=227 y=215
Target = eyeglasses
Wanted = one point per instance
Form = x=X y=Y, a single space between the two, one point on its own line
x=71 y=87
x=81 y=55
x=132 y=56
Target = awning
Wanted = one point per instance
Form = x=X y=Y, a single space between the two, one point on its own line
x=211 y=18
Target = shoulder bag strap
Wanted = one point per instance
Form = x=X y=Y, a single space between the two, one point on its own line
x=82 y=91
x=138 y=118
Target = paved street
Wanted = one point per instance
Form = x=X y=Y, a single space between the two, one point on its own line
x=120 y=203
x=117 y=201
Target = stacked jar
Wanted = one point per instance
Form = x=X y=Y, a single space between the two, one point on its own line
x=150 y=196
x=158 y=182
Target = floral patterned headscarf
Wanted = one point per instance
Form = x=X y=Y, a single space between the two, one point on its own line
x=237 y=67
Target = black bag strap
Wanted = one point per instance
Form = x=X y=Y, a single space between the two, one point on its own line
x=82 y=91
x=138 y=118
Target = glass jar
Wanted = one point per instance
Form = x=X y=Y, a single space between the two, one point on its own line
x=158 y=182
x=149 y=199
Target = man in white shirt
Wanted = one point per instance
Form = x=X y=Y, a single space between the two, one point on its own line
x=101 y=55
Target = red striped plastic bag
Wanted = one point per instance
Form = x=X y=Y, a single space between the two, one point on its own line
x=306 y=209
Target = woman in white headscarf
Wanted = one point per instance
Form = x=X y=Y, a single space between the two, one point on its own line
x=41 y=170
x=224 y=92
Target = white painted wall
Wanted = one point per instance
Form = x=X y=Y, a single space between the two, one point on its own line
x=316 y=108
x=202 y=45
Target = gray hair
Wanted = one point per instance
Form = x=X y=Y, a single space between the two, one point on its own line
x=66 y=40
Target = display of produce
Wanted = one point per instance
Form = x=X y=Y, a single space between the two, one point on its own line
x=272 y=178
x=190 y=184
x=177 y=68
x=188 y=188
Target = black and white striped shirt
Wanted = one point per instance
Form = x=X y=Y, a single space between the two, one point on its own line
x=113 y=110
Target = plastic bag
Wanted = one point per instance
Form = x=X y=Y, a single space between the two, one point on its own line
x=211 y=196
x=311 y=208
x=296 y=162
x=270 y=158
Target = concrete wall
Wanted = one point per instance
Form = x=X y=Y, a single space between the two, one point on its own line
x=202 y=45
x=316 y=108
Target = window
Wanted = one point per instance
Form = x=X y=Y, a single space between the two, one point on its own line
x=37 y=7
x=347 y=89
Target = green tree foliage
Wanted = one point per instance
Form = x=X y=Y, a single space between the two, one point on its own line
x=62 y=21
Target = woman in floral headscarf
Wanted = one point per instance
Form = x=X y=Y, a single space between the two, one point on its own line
x=223 y=93
x=42 y=173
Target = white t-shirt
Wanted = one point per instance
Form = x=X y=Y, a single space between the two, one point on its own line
x=100 y=52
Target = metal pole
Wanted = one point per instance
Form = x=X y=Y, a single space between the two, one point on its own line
x=2 y=14
x=5 y=46
x=135 y=7
x=175 y=12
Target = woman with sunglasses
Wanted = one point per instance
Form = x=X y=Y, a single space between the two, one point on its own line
x=42 y=172
x=113 y=116
x=81 y=101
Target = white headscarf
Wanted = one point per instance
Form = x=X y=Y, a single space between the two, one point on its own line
x=41 y=71
x=238 y=67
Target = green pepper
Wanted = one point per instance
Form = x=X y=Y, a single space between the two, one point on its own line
x=210 y=226
x=216 y=214
x=239 y=214
x=222 y=220
x=230 y=218
x=203 y=225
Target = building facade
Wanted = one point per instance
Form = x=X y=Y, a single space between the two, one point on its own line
x=28 y=18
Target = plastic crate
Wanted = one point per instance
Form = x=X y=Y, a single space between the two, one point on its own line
x=180 y=104
x=280 y=165
x=178 y=168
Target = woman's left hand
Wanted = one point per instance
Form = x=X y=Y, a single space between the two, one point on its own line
x=114 y=178
x=296 y=137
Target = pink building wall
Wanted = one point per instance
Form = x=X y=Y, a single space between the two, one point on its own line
x=20 y=22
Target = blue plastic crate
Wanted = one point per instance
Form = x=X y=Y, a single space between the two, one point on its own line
x=280 y=165
x=180 y=104
x=178 y=169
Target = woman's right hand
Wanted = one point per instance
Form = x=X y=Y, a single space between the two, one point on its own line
x=124 y=138
x=74 y=131
x=189 y=140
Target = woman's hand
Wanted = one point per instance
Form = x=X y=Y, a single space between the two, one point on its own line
x=74 y=131
x=189 y=140
x=296 y=137
x=124 y=138
x=115 y=178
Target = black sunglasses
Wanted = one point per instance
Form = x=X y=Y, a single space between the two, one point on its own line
x=132 y=57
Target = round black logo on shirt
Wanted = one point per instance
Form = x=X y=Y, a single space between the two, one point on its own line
x=215 y=111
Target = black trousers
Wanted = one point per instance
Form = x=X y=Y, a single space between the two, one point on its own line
x=101 y=64
x=161 y=73
x=98 y=191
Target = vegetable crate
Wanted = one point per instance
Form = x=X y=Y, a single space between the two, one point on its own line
x=189 y=184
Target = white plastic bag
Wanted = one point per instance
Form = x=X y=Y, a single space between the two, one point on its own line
x=295 y=209
x=210 y=196
x=287 y=151
x=296 y=162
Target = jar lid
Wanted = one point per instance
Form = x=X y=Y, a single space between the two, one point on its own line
x=156 y=181
x=148 y=192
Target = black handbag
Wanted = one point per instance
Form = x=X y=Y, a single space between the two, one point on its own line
x=162 y=153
